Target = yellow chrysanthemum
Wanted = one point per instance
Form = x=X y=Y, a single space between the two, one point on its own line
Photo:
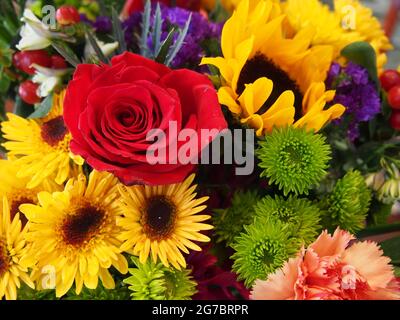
x=13 y=250
x=41 y=147
x=75 y=232
x=365 y=25
x=270 y=80
x=16 y=191
x=162 y=221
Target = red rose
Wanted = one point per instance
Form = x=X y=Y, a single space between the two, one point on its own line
x=132 y=6
x=110 y=109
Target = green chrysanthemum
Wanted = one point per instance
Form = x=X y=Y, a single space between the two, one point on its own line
x=230 y=222
x=294 y=159
x=154 y=281
x=261 y=249
x=347 y=205
x=301 y=215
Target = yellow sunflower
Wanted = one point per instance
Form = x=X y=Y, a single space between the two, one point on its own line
x=75 y=232
x=41 y=147
x=162 y=221
x=13 y=251
x=366 y=25
x=16 y=191
x=270 y=80
x=327 y=25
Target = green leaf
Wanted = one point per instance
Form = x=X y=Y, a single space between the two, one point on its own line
x=373 y=231
x=391 y=249
x=43 y=109
x=67 y=53
x=162 y=55
x=363 y=54
x=158 y=22
x=4 y=82
x=179 y=42
x=145 y=29
x=118 y=32
x=21 y=108
x=96 y=48
x=397 y=272
x=5 y=57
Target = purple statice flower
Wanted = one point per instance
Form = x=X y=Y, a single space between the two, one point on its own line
x=102 y=24
x=357 y=92
x=200 y=30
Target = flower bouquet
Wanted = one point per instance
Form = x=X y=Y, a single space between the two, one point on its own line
x=174 y=150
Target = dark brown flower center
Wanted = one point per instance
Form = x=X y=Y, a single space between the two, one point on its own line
x=14 y=207
x=4 y=259
x=159 y=217
x=260 y=66
x=54 y=131
x=82 y=225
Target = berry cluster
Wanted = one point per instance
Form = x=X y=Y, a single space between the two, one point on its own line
x=390 y=81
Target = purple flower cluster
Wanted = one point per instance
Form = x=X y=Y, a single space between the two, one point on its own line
x=357 y=92
x=102 y=24
x=200 y=30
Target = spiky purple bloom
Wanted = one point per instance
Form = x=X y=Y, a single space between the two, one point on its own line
x=200 y=30
x=357 y=92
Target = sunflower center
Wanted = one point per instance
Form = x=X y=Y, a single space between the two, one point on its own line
x=16 y=201
x=4 y=260
x=159 y=217
x=260 y=66
x=54 y=131
x=82 y=225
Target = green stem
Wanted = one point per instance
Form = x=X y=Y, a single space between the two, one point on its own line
x=373 y=231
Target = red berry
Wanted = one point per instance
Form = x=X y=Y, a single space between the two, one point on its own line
x=394 y=97
x=27 y=91
x=389 y=79
x=58 y=62
x=395 y=120
x=67 y=15
x=23 y=60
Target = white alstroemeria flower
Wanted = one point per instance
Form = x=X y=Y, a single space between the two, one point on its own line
x=106 y=48
x=36 y=35
x=48 y=79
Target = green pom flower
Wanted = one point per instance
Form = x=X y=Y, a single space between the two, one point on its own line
x=151 y=281
x=261 y=249
x=229 y=223
x=348 y=204
x=301 y=215
x=294 y=159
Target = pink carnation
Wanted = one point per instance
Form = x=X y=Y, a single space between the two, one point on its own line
x=330 y=269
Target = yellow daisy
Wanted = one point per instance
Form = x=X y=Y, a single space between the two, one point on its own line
x=270 y=80
x=366 y=25
x=162 y=221
x=75 y=231
x=41 y=147
x=13 y=250
x=16 y=191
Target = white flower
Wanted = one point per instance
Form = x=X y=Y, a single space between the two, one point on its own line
x=106 y=48
x=48 y=79
x=36 y=35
